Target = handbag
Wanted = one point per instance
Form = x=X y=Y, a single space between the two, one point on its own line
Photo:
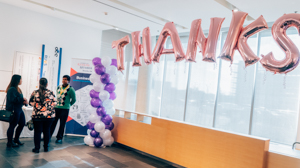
x=5 y=115
x=30 y=125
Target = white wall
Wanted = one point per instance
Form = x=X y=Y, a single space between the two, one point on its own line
x=26 y=31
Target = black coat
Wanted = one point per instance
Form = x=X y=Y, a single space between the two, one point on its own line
x=14 y=99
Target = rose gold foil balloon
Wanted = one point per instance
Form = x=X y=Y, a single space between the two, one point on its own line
x=247 y=54
x=235 y=28
x=168 y=30
x=120 y=44
x=207 y=45
x=136 y=48
x=139 y=50
x=291 y=60
x=146 y=47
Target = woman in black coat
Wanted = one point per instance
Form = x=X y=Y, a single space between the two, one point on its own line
x=14 y=102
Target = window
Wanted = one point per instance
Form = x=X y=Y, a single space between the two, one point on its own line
x=223 y=95
x=276 y=101
x=236 y=82
x=174 y=85
x=202 y=89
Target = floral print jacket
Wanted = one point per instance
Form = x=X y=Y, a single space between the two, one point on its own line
x=43 y=109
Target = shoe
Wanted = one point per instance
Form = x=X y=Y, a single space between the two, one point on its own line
x=35 y=150
x=18 y=142
x=46 y=149
x=58 y=141
x=12 y=144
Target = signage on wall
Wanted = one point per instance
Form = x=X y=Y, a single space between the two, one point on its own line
x=51 y=65
x=236 y=40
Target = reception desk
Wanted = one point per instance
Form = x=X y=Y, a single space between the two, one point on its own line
x=190 y=145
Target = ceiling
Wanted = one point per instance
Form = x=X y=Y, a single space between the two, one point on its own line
x=134 y=15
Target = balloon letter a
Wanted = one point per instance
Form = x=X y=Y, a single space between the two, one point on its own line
x=168 y=30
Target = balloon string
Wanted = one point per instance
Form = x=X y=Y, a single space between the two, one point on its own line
x=230 y=69
x=175 y=69
x=284 y=82
x=157 y=69
x=215 y=65
x=265 y=77
x=245 y=80
x=132 y=72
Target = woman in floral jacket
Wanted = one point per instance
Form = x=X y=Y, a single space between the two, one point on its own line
x=43 y=102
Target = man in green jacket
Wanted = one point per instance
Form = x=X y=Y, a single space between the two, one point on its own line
x=65 y=99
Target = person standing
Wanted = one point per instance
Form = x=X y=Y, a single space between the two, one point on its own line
x=65 y=99
x=14 y=103
x=43 y=102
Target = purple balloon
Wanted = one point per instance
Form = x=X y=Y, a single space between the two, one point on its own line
x=98 y=142
x=90 y=125
x=100 y=69
x=106 y=119
x=105 y=78
x=96 y=102
x=110 y=126
x=110 y=87
x=96 y=61
x=94 y=94
x=112 y=96
x=94 y=134
x=114 y=62
x=101 y=111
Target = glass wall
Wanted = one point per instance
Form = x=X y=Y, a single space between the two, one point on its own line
x=224 y=95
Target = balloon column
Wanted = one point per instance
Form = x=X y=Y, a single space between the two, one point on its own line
x=102 y=95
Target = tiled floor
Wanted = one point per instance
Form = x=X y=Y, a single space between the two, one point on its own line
x=73 y=153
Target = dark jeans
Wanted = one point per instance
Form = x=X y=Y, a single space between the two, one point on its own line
x=18 y=118
x=39 y=127
x=62 y=115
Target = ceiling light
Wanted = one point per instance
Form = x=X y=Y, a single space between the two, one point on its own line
x=235 y=9
x=116 y=28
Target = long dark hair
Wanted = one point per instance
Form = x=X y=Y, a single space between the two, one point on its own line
x=42 y=88
x=14 y=82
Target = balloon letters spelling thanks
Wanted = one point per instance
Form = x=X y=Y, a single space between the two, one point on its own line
x=236 y=40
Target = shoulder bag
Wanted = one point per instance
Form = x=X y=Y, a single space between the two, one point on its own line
x=5 y=115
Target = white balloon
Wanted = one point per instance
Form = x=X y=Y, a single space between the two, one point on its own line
x=114 y=79
x=104 y=95
x=98 y=86
x=88 y=131
x=106 y=134
x=106 y=61
x=111 y=70
x=88 y=140
x=108 y=104
x=111 y=111
x=94 y=118
x=109 y=141
x=94 y=77
x=91 y=110
x=99 y=127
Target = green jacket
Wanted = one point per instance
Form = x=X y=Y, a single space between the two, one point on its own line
x=68 y=98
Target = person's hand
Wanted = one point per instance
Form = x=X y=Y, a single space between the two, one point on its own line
x=25 y=102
